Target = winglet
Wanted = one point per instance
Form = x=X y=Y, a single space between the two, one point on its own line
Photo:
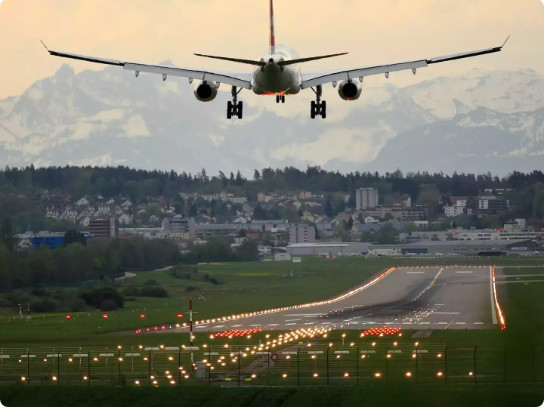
x=507 y=39
x=45 y=46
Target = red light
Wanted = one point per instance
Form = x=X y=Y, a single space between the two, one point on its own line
x=142 y=315
x=105 y=316
x=67 y=317
x=180 y=315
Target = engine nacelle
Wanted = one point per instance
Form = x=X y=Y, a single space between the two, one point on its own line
x=350 y=89
x=206 y=91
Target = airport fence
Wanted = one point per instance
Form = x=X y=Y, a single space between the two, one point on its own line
x=293 y=365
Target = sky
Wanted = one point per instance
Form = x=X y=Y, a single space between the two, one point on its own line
x=373 y=32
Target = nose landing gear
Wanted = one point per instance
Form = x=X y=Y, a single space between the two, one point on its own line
x=280 y=98
x=235 y=107
x=318 y=107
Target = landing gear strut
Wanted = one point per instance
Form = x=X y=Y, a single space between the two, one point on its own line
x=318 y=107
x=280 y=98
x=234 y=107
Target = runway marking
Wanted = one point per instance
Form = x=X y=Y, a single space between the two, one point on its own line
x=520 y=281
x=479 y=323
x=520 y=275
x=309 y=323
x=272 y=325
x=219 y=326
x=460 y=323
x=291 y=323
x=201 y=326
x=237 y=325
x=305 y=315
x=464 y=272
x=444 y=313
x=494 y=315
x=293 y=319
x=254 y=325
x=438 y=304
x=415 y=272
x=423 y=323
x=447 y=325
x=442 y=323
x=429 y=285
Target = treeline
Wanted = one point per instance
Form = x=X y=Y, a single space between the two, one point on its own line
x=100 y=261
x=137 y=184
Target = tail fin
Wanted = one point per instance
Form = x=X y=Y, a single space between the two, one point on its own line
x=272 y=34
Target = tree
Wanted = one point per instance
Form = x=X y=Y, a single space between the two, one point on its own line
x=259 y=213
x=7 y=233
x=410 y=227
x=248 y=251
x=386 y=234
x=73 y=236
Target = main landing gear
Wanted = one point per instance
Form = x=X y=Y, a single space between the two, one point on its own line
x=280 y=98
x=318 y=107
x=234 y=107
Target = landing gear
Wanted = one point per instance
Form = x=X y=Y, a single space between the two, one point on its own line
x=318 y=107
x=280 y=98
x=235 y=107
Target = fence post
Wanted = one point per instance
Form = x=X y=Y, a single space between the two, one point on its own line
x=357 y=366
x=179 y=367
x=475 y=364
x=149 y=366
x=28 y=367
x=119 y=368
x=445 y=364
x=328 y=375
x=58 y=368
x=387 y=368
x=416 y=358
x=210 y=360
x=269 y=357
x=89 y=368
x=298 y=366
x=239 y=369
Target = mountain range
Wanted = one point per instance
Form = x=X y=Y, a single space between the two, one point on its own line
x=482 y=121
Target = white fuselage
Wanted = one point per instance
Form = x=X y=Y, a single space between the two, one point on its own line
x=273 y=79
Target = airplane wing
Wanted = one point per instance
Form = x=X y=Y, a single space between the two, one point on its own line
x=312 y=81
x=237 y=80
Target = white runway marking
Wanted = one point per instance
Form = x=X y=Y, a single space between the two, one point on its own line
x=444 y=313
x=254 y=325
x=464 y=272
x=460 y=323
x=414 y=272
x=423 y=323
x=294 y=319
x=201 y=326
x=305 y=315
x=237 y=325
x=442 y=323
x=272 y=325
x=438 y=304
x=219 y=326
x=479 y=323
x=309 y=323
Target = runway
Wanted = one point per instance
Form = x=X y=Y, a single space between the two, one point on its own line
x=409 y=297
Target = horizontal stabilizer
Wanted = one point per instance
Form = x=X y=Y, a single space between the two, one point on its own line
x=299 y=60
x=240 y=60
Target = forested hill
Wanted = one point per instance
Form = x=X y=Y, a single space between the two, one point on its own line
x=138 y=184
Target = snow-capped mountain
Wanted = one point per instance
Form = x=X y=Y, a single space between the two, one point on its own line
x=482 y=120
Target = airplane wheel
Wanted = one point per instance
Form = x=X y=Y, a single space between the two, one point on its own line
x=229 y=110
x=240 y=109
x=277 y=99
x=312 y=112
x=283 y=99
x=324 y=109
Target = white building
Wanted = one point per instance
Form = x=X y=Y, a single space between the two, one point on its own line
x=453 y=211
x=366 y=198
x=302 y=233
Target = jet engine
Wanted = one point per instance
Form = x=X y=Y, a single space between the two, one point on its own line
x=206 y=91
x=350 y=89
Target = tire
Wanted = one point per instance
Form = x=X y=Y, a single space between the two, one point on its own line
x=283 y=99
x=312 y=112
x=229 y=110
x=240 y=109
x=277 y=99
x=324 y=109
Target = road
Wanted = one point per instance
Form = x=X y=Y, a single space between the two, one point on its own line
x=410 y=297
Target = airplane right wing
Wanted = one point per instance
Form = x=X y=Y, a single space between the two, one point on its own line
x=315 y=80
x=237 y=80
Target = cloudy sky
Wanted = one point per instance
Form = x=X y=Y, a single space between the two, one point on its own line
x=373 y=32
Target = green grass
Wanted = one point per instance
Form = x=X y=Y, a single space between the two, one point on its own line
x=365 y=395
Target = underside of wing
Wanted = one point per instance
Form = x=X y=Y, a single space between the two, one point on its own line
x=315 y=80
x=241 y=80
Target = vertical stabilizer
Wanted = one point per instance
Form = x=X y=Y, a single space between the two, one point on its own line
x=272 y=34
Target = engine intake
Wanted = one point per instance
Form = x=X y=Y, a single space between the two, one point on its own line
x=206 y=91
x=350 y=89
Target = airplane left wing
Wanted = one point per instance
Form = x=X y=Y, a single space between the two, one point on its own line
x=237 y=80
x=386 y=69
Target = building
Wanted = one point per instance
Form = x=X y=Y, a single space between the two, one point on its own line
x=302 y=233
x=178 y=224
x=493 y=205
x=453 y=211
x=104 y=227
x=366 y=198
x=327 y=249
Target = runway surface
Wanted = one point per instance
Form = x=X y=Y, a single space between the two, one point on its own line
x=409 y=297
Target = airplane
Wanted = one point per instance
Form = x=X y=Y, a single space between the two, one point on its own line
x=277 y=73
